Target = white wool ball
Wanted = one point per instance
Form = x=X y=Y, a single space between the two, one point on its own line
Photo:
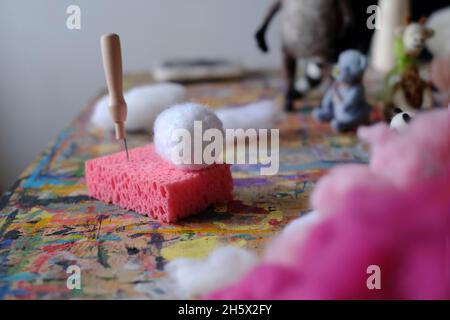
x=144 y=104
x=197 y=277
x=168 y=142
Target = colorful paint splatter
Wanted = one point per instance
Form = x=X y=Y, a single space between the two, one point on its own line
x=48 y=223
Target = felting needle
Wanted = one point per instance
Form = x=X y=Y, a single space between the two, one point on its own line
x=112 y=64
x=126 y=148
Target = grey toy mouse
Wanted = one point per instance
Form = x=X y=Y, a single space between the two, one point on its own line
x=344 y=103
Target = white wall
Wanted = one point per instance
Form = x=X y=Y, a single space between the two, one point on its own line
x=48 y=73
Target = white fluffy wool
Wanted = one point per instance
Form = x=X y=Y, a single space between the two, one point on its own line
x=257 y=115
x=183 y=116
x=144 y=104
x=224 y=266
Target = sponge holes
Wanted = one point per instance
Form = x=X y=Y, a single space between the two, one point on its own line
x=163 y=192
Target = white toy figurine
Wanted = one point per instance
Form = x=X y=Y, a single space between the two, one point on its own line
x=401 y=119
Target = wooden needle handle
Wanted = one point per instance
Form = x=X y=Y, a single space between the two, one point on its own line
x=112 y=64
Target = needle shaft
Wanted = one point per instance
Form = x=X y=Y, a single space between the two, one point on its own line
x=126 y=148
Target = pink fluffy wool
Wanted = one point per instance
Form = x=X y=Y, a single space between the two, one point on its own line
x=393 y=213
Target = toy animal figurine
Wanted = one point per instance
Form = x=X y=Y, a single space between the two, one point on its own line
x=411 y=92
x=344 y=103
x=403 y=84
x=312 y=77
x=401 y=119
x=310 y=29
x=409 y=44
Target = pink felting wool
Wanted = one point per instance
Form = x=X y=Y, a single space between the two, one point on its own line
x=398 y=159
x=409 y=157
x=404 y=233
x=280 y=249
x=149 y=185
x=327 y=196
x=372 y=215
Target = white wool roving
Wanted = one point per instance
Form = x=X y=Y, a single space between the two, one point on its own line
x=144 y=104
x=224 y=266
x=168 y=142
x=257 y=115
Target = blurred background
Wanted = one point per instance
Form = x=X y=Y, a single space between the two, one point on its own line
x=48 y=73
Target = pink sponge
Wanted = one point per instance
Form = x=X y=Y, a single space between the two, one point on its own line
x=149 y=185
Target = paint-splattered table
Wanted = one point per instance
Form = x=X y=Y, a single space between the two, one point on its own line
x=48 y=223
